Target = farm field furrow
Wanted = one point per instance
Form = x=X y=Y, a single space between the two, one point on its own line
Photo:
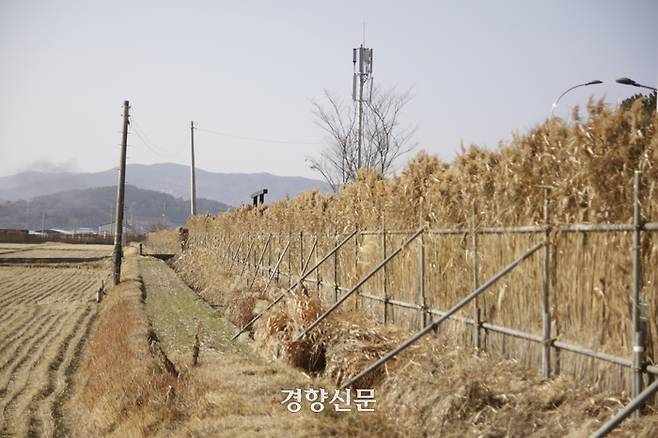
x=47 y=315
x=14 y=317
x=29 y=329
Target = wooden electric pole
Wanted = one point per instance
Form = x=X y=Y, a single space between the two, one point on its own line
x=118 y=235
x=192 y=179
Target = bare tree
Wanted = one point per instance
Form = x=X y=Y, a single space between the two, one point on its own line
x=387 y=138
x=384 y=137
x=336 y=162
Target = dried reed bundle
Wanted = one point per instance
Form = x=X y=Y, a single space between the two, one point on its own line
x=440 y=390
x=275 y=335
x=352 y=345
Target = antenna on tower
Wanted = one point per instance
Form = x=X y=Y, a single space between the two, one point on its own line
x=363 y=56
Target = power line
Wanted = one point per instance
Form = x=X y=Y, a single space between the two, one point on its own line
x=163 y=152
x=264 y=140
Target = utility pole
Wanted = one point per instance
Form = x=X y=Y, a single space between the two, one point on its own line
x=192 y=179
x=364 y=57
x=118 y=235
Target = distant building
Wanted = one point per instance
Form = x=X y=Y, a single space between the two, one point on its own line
x=108 y=229
x=11 y=235
x=47 y=232
x=84 y=231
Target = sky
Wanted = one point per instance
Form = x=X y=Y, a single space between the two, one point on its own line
x=478 y=71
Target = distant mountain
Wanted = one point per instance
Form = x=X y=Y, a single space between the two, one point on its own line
x=92 y=208
x=174 y=179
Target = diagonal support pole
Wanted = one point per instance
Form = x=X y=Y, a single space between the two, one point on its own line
x=301 y=279
x=235 y=254
x=276 y=266
x=447 y=315
x=246 y=258
x=308 y=258
x=359 y=284
x=227 y=253
x=260 y=260
x=634 y=404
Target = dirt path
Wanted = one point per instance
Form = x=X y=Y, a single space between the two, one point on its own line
x=236 y=391
x=45 y=319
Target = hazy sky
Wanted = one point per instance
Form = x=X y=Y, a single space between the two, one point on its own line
x=478 y=70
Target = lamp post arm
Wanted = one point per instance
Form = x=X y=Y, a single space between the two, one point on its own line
x=561 y=95
x=647 y=87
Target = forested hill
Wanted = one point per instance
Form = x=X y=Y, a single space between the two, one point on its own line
x=91 y=208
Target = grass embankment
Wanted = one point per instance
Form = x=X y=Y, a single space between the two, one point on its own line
x=128 y=387
x=233 y=391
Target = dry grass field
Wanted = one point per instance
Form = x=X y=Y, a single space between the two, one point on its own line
x=46 y=315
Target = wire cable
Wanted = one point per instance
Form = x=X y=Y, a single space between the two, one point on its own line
x=160 y=151
x=264 y=140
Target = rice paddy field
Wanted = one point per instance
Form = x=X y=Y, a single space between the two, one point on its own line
x=51 y=250
x=46 y=314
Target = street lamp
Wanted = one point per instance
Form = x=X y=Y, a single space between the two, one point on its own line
x=632 y=83
x=575 y=86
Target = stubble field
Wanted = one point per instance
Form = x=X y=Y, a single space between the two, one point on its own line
x=46 y=314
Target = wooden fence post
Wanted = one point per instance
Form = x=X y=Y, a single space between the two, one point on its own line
x=278 y=266
x=638 y=342
x=422 y=313
x=385 y=273
x=356 y=267
x=335 y=268
x=546 y=315
x=477 y=342
x=301 y=251
x=269 y=260
x=290 y=259
x=318 y=278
